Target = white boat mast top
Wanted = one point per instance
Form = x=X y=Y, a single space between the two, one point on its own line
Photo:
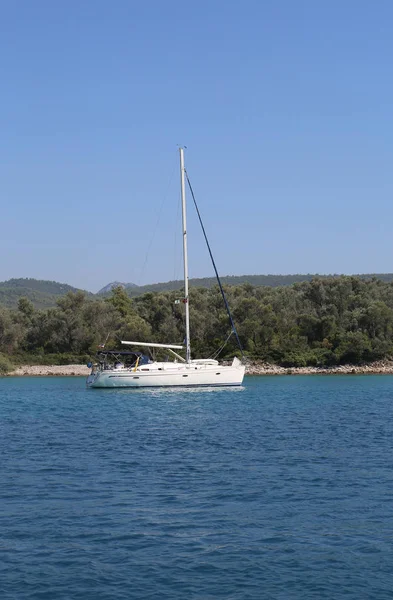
x=185 y=255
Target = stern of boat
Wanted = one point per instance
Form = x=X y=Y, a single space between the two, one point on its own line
x=90 y=379
x=94 y=374
x=240 y=369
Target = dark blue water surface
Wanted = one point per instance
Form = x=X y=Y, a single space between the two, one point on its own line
x=282 y=489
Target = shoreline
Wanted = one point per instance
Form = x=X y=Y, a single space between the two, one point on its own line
x=383 y=367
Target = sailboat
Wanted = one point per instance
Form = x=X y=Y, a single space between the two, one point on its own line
x=132 y=369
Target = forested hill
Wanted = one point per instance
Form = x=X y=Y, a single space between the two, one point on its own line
x=326 y=321
x=43 y=294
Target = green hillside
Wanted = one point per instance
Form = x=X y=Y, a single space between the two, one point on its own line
x=43 y=294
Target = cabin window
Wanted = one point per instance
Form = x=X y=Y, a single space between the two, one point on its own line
x=135 y=377
x=218 y=373
x=145 y=369
x=185 y=375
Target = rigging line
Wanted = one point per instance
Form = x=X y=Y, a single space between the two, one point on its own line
x=156 y=226
x=106 y=340
x=215 y=268
x=218 y=352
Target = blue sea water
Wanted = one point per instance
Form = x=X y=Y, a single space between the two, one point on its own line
x=280 y=490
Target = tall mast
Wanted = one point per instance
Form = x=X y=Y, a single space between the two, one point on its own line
x=185 y=256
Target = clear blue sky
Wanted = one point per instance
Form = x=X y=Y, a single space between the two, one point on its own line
x=285 y=107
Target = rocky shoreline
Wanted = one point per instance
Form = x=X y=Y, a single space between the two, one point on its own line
x=255 y=368
x=377 y=368
x=50 y=370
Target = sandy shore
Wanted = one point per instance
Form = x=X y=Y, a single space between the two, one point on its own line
x=380 y=367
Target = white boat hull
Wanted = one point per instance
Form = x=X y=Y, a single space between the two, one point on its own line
x=162 y=376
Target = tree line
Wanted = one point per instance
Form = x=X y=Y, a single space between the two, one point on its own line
x=324 y=321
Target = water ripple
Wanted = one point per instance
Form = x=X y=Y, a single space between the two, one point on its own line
x=280 y=490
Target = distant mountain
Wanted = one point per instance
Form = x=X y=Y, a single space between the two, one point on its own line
x=43 y=294
x=108 y=288
x=270 y=280
x=257 y=280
